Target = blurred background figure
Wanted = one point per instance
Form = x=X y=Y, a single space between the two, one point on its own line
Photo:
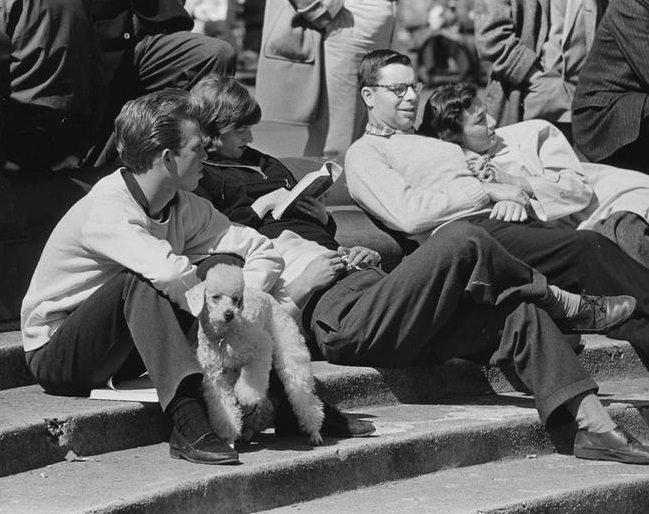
x=308 y=63
x=438 y=37
x=537 y=49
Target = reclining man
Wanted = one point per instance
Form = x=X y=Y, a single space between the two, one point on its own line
x=452 y=297
x=108 y=295
x=413 y=184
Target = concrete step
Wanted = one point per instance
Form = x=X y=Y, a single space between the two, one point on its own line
x=534 y=484
x=604 y=358
x=54 y=425
x=411 y=440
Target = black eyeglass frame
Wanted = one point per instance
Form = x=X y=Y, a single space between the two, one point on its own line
x=416 y=87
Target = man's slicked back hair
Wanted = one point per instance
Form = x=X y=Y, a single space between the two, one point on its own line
x=224 y=104
x=444 y=109
x=149 y=124
x=373 y=62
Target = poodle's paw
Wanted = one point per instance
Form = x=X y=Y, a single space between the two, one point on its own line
x=315 y=439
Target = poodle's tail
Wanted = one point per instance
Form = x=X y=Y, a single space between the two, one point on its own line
x=292 y=362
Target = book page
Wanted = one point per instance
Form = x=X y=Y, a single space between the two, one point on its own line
x=312 y=184
x=136 y=390
x=269 y=201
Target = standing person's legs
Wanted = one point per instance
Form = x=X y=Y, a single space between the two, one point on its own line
x=96 y=340
x=361 y=26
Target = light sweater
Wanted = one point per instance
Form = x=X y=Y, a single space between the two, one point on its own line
x=412 y=183
x=107 y=231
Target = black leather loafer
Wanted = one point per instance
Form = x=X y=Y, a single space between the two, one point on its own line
x=615 y=445
x=207 y=449
x=335 y=424
x=338 y=424
x=599 y=314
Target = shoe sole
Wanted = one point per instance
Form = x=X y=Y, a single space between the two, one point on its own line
x=348 y=435
x=606 y=454
x=177 y=454
x=604 y=330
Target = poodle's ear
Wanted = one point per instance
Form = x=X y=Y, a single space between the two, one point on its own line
x=196 y=298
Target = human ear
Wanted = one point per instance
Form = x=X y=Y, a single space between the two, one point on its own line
x=367 y=94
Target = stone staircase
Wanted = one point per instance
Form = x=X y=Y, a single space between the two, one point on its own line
x=455 y=438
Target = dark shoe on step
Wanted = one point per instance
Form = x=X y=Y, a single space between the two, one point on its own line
x=207 y=449
x=339 y=424
x=335 y=424
x=599 y=314
x=615 y=445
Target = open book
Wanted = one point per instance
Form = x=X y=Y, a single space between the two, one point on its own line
x=136 y=390
x=312 y=184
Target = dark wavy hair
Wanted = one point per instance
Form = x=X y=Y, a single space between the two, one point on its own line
x=372 y=63
x=224 y=104
x=443 y=112
x=148 y=125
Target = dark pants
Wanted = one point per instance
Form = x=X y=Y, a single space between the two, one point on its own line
x=577 y=261
x=125 y=327
x=458 y=295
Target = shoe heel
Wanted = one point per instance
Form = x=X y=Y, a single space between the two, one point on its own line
x=174 y=453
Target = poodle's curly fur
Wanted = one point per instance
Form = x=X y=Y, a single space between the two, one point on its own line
x=242 y=332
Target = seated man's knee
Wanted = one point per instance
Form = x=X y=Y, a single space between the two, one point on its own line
x=461 y=237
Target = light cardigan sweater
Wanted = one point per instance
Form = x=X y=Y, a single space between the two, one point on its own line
x=107 y=231
x=412 y=183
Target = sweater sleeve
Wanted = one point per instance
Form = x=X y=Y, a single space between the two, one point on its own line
x=382 y=190
x=497 y=42
x=214 y=233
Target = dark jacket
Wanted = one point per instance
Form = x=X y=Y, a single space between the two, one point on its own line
x=610 y=101
x=233 y=186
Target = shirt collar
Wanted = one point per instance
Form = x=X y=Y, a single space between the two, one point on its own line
x=139 y=196
x=385 y=131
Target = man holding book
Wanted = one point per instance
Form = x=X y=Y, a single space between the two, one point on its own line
x=459 y=295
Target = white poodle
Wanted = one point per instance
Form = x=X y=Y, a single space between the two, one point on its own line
x=242 y=333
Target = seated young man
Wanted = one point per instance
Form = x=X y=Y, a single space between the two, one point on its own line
x=536 y=156
x=414 y=184
x=452 y=297
x=108 y=295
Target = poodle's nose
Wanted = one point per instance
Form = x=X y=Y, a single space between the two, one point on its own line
x=228 y=315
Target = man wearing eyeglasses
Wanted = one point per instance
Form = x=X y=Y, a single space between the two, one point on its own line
x=414 y=184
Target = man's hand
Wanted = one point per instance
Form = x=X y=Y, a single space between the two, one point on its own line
x=359 y=256
x=313 y=207
x=506 y=192
x=324 y=269
x=508 y=211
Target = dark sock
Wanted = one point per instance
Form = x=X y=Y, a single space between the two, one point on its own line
x=188 y=415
